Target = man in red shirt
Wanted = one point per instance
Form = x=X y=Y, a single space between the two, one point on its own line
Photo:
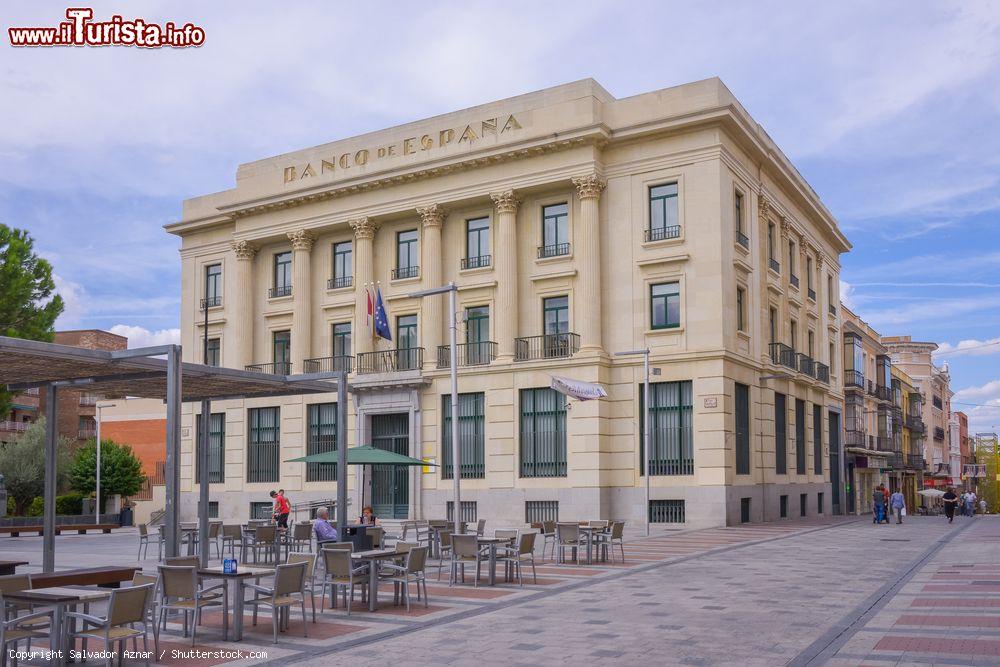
x=281 y=509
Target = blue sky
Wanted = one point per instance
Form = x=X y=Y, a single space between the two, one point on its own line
x=889 y=109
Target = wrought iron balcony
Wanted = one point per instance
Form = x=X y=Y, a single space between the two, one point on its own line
x=211 y=302
x=773 y=264
x=279 y=290
x=915 y=423
x=554 y=250
x=806 y=364
x=549 y=346
x=783 y=355
x=391 y=361
x=329 y=364
x=854 y=438
x=403 y=272
x=832 y=309
x=742 y=239
x=481 y=353
x=274 y=368
x=339 y=283
x=479 y=262
x=811 y=293
x=895 y=461
x=823 y=373
x=794 y=280
x=854 y=380
x=938 y=433
x=663 y=233
x=915 y=461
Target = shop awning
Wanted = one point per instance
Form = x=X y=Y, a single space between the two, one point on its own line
x=364 y=455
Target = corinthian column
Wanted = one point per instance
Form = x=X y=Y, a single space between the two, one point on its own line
x=588 y=248
x=302 y=243
x=364 y=274
x=430 y=269
x=506 y=254
x=239 y=350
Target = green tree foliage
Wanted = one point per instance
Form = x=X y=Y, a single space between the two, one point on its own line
x=22 y=463
x=28 y=303
x=121 y=470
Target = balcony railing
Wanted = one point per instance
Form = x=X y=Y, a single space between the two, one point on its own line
x=13 y=426
x=468 y=354
x=549 y=346
x=880 y=392
x=88 y=432
x=663 y=233
x=895 y=461
x=554 y=250
x=279 y=290
x=915 y=461
x=211 y=302
x=403 y=272
x=823 y=373
x=479 y=262
x=794 y=280
x=773 y=264
x=811 y=293
x=274 y=368
x=854 y=379
x=742 y=239
x=783 y=355
x=328 y=364
x=88 y=400
x=391 y=361
x=915 y=423
x=806 y=364
x=832 y=309
x=938 y=433
x=854 y=438
x=34 y=391
x=339 y=283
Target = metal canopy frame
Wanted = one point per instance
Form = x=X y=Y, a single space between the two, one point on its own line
x=152 y=372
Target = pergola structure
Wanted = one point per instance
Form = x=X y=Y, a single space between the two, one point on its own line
x=154 y=372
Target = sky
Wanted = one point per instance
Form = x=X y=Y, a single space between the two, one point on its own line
x=889 y=109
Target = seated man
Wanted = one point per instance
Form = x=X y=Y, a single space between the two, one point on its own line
x=325 y=532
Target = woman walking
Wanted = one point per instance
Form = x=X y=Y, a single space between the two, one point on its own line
x=950 y=502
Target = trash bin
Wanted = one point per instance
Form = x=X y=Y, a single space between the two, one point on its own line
x=125 y=516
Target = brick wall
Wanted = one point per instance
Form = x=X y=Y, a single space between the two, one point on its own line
x=147 y=437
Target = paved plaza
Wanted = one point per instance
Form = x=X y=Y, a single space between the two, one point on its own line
x=821 y=591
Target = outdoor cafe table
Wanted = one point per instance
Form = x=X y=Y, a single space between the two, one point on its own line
x=589 y=532
x=60 y=598
x=8 y=566
x=372 y=557
x=492 y=543
x=238 y=599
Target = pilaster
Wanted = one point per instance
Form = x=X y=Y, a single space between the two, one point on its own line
x=506 y=204
x=588 y=247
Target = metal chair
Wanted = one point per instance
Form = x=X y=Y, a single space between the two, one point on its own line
x=289 y=582
x=14 y=630
x=465 y=549
x=184 y=561
x=127 y=607
x=179 y=591
x=516 y=556
x=340 y=573
x=232 y=534
x=310 y=560
x=480 y=527
x=144 y=538
x=302 y=533
x=548 y=535
x=265 y=537
x=412 y=571
x=444 y=548
x=568 y=537
x=140 y=579
x=376 y=533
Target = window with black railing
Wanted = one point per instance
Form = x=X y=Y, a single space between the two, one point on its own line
x=477 y=262
x=260 y=511
x=833 y=309
x=666 y=511
x=468 y=354
x=403 y=272
x=216 y=448
x=664 y=221
x=321 y=424
x=742 y=239
x=407 y=255
x=390 y=361
x=794 y=280
x=340 y=283
x=274 y=368
x=783 y=355
x=477 y=243
x=329 y=364
x=213 y=286
x=554 y=250
x=543 y=433
x=471 y=436
x=555 y=231
x=282 y=285
x=822 y=372
x=263 y=445
x=213 y=352
x=537 y=511
x=549 y=346
x=671 y=434
x=806 y=365
x=774 y=265
x=343 y=266
x=740 y=222
x=470 y=513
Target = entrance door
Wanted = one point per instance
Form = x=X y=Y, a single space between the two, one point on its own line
x=391 y=484
x=834 y=441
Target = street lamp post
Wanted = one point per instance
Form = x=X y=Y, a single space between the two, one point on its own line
x=456 y=462
x=97 y=496
x=645 y=420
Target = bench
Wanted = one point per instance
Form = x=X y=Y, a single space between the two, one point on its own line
x=81 y=529
x=109 y=576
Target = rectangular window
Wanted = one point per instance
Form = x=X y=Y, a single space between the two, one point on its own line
x=537 y=511
x=342 y=339
x=665 y=305
x=407 y=255
x=671 y=408
x=794 y=334
x=663 y=218
x=343 y=265
x=321 y=420
x=261 y=510
x=817 y=439
x=216 y=448
x=406 y=332
x=791 y=261
x=213 y=509
x=477 y=243
x=809 y=276
x=738 y=212
x=773 y=317
x=263 y=445
x=810 y=344
x=742 y=417
x=213 y=286
x=543 y=433
x=666 y=511
x=833 y=360
x=282 y=274
x=555 y=230
x=282 y=347
x=770 y=247
x=555 y=315
x=783 y=507
x=744 y=510
x=471 y=436
x=478 y=350
x=780 y=441
x=800 y=436
x=819 y=503
x=803 y=499
x=469 y=512
x=741 y=313
x=213 y=354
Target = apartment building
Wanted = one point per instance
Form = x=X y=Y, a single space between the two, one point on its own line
x=907 y=466
x=574 y=225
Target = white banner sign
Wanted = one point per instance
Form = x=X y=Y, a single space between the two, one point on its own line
x=583 y=391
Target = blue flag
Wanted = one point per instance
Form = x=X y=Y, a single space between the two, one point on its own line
x=381 y=320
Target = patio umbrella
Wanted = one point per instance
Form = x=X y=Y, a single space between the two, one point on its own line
x=931 y=493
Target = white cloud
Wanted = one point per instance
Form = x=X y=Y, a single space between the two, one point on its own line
x=73 y=296
x=142 y=337
x=927 y=310
x=969 y=346
x=847 y=294
x=984 y=406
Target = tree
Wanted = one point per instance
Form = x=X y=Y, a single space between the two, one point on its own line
x=28 y=305
x=22 y=463
x=121 y=470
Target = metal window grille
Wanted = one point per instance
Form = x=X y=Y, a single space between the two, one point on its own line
x=780 y=441
x=471 y=436
x=213 y=509
x=469 y=513
x=261 y=510
x=536 y=511
x=264 y=445
x=803 y=499
x=745 y=510
x=666 y=511
x=742 y=416
x=322 y=425
x=800 y=436
x=543 y=433
x=817 y=439
x=783 y=507
x=819 y=503
x=670 y=431
x=216 y=448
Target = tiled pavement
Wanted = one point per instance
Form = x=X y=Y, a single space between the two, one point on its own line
x=757 y=594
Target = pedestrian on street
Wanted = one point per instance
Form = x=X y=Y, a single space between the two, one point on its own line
x=281 y=510
x=970 y=503
x=878 y=504
x=950 y=501
x=898 y=503
x=982 y=506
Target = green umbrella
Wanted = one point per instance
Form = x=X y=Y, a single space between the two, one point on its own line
x=359 y=456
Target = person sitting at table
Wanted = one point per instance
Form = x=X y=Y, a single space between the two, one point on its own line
x=325 y=531
x=368 y=517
